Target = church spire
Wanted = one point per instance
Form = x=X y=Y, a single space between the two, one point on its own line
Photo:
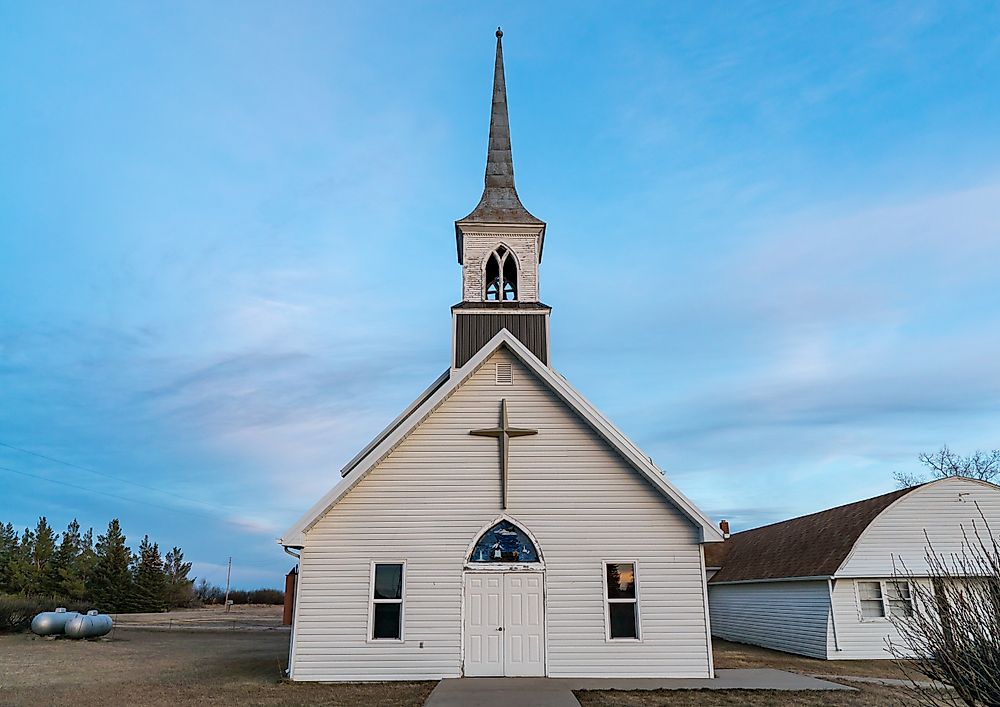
x=500 y=203
x=499 y=249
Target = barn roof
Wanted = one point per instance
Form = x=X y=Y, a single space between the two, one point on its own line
x=813 y=545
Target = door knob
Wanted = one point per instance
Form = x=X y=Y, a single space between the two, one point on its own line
x=499 y=628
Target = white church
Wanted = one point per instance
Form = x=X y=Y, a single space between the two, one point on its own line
x=501 y=525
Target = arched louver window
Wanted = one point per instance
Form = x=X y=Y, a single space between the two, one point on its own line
x=501 y=276
x=504 y=542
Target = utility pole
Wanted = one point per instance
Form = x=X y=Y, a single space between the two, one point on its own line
x=229 y=573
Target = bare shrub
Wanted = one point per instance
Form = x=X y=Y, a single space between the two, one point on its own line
x=16 y=612
x=953 y=635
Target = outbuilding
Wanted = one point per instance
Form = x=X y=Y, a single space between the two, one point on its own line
x=827 y=584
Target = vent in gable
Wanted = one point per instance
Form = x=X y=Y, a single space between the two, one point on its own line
x=505 y=374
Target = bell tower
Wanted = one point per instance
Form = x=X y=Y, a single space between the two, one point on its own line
x=499 y=249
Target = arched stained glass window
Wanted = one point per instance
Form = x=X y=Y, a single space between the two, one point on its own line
x=504 y=542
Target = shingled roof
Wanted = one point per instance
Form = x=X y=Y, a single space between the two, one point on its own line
x=815 y=545
x=500 y=203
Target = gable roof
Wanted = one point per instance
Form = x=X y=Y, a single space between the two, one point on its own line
x=441 y=390
x=813 y=545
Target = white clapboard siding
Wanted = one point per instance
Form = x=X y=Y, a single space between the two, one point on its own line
x=787 y=616
x=859 y=639
x=897 y=534
x=440 y=487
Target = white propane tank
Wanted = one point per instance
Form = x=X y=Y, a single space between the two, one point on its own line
x=52 y=623
x=90 y=626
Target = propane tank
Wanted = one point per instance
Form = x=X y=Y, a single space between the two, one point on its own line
x=52 y=623
x=90 y=626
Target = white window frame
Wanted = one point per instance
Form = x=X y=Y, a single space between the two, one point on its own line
x=504 y=566
x=886 y=603
x=372 y=601
x=609 y=601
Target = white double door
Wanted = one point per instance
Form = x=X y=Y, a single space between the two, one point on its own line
x=504 y=624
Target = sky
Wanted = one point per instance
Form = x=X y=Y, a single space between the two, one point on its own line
x=227 y=248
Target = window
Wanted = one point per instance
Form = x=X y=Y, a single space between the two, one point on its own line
x=509 y=279
x=881 y=598
x=870 y=595
x=900 y=601
x=622 y=599
x=386 y=610
x=501 y=276
x=504 y=542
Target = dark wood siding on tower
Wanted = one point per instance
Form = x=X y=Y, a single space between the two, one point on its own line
x=473 y=331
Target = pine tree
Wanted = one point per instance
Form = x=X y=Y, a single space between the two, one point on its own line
x=86 y=564
x=8 y=549
x=149 y=579
x=65 y=571
x=112 y=576
x=19 y=564
x=180 y=589
x=42 y=553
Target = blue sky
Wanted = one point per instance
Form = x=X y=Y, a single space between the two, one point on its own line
x=228 y=253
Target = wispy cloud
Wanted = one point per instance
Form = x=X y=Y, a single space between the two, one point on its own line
x=227 y=264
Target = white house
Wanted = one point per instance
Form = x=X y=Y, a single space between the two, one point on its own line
x=500 y=525
x=825 y=585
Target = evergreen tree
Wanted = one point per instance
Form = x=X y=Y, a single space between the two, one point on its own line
x=65 y=571
x=8 y=549
x=149 y=580
x=86 y=564
x=180 y=589
x=42 y=553
x=112 y=576
x=19 y=564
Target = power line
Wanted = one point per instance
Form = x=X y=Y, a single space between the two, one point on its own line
x=106 y=475
x=102 y=493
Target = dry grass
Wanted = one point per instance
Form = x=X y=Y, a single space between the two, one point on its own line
x=739 y=655
x=216 y=667
x=174 y=668
x=239 y=616
x=867 y=696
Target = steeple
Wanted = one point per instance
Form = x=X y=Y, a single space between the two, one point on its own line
x=500 y=203
x=499 y=248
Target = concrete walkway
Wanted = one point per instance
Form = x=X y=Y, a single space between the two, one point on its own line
x=558 y=692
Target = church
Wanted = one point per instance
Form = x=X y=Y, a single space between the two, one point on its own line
x=501 y=525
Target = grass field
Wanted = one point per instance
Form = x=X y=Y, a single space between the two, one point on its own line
x=866 y=696
x=240 y=616
x=171 y=668
x=213 y=664
x=737 y=655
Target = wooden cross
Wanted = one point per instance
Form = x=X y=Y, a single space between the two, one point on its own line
x=503 y=434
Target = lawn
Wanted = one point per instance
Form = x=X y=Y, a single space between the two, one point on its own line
x=737 y=655
x=257 y=616
x=141 y=666
x=866 y=696
x=172 y=668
